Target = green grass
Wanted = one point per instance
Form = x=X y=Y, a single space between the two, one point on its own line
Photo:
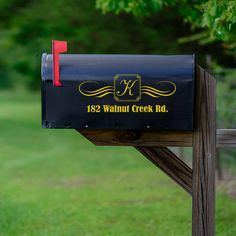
x=56 y=183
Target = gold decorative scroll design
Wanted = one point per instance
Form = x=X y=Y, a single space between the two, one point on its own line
x=98 y=93
x=156 y=93
x=147 y=90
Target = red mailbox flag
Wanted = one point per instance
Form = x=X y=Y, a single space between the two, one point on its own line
x=57 y=48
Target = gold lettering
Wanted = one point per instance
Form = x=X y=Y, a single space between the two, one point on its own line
x=115 y=108
x=128 y=87
x=147 y=108
x=160 y=108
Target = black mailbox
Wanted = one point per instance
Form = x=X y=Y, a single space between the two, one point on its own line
x=123 y=92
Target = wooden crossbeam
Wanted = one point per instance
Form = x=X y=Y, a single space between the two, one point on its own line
x=169 y=163
x=224 y=138
x=136 y=138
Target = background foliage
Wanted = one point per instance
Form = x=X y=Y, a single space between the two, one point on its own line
x=215 y=18
x=27 y=28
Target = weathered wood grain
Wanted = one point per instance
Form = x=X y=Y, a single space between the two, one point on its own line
x=204 y=151
x=225 y=138
x=169 y=163
x=136 y=138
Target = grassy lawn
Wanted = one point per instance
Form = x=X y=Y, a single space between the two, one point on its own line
x=56 y=183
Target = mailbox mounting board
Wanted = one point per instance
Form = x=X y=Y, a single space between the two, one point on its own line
x=119 y=92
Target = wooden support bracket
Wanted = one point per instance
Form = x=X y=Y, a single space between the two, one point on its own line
x=169 y=163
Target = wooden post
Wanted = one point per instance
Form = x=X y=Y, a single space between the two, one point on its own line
x=204 y=150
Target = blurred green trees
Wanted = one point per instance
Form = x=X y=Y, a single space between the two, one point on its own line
x=27 y=28
x=216 y=18
x=226 y=98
